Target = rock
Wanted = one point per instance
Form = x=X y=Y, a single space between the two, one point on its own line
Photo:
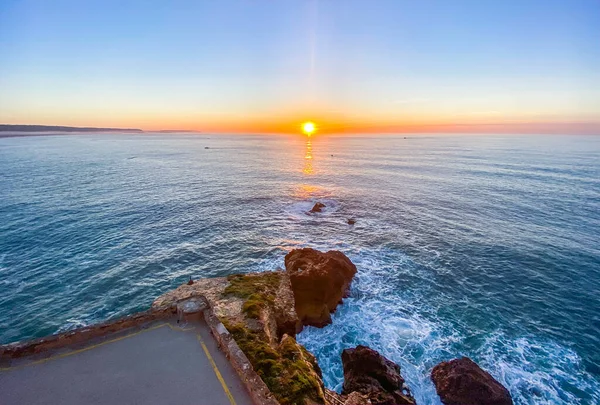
x=351 y=221
x=463 y=382
x=302 y=361
x=284 y=310
x=318 y=207
x=371 y=374
x=356 y=398
x=319 y=282
x=211 y=288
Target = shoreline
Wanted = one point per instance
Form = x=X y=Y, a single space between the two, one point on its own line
x=254 y=319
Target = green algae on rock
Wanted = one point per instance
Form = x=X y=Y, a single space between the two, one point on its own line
x=288 y=369
x=259 y=290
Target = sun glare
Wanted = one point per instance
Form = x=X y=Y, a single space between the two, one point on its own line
x=308 y=128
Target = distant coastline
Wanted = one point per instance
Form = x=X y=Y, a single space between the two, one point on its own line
x=7 y=130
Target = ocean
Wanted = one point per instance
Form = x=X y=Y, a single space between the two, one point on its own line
x=480 y=246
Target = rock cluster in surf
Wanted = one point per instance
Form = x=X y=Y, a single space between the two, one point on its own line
x=264 y=311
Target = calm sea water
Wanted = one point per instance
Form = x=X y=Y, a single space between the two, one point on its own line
x=484 y=246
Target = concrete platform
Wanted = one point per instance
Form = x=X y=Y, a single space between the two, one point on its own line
x=162 y=363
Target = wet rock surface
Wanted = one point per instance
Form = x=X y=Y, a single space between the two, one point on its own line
x=463 y=382
x=369 y=373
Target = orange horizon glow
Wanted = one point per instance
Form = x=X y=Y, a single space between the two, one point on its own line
x=215 y=67
x=327 y=124
x=326 y=127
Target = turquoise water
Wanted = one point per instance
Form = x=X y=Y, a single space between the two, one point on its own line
x=465 y=245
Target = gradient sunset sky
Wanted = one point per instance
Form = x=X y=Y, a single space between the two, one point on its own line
x=267 y=66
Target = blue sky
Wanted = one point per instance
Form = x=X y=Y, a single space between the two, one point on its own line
x=264 y=65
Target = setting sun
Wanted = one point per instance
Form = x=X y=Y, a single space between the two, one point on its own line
x=308 y=128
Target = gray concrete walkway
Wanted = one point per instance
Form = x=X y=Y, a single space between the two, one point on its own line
x=163 y=364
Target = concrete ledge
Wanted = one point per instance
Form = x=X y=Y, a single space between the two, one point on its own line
x=258 y=390
x=79 y=335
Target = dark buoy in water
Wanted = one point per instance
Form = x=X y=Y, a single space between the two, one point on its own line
x=331 y=155
x=351 y=221
x=206 y=147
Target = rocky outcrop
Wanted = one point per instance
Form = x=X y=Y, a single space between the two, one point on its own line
x=319 y=282
x=210 y=288
x=318 y=207
x=463 y=382
x=284 y=309
x=260 y=311
x=369 y=373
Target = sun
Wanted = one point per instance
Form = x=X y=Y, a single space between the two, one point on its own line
x=309 y=128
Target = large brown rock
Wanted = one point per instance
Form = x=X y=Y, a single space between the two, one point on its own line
x=463 y=382
x=319 y=282
x=371 y=374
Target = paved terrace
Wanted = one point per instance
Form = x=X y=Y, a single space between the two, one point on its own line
x=161 y=362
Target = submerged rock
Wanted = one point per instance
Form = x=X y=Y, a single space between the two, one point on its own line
x=371 y=374
x=463 y=382
x=319 y=282
x=318 y=207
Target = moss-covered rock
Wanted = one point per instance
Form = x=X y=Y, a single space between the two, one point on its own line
x=288 y=370
x=259 y=290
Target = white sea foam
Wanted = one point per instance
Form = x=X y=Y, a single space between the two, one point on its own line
x=72 y=323
x=535 y=371
x=300 y=210
x=400 y=325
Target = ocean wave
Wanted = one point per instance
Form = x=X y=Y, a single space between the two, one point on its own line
x=403 y=324
x=538 y=371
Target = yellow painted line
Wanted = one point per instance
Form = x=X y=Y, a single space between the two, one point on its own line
x=216 y=370
x=85 y=349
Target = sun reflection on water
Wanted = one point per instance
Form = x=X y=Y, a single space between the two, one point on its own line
x=307 y=191
x=308 y=167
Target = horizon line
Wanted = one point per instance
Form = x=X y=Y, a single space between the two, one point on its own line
x=544 y=127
